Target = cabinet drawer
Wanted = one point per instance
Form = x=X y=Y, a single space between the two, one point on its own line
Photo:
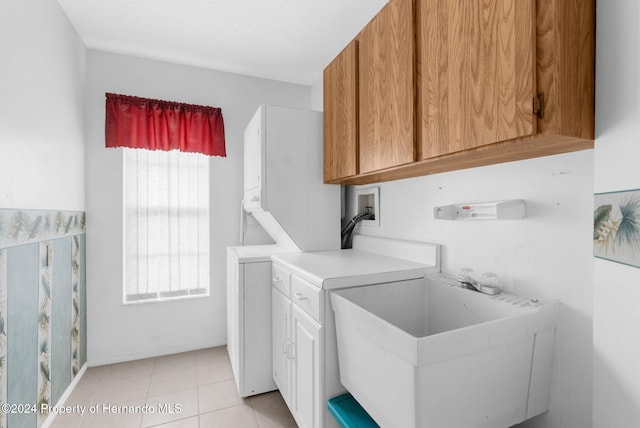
x=307 y=297
x=281 y=279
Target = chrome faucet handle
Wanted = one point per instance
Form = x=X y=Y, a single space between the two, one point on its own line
x=466 y=281
x=488 y=289
x=489 y=284
x=465 y=276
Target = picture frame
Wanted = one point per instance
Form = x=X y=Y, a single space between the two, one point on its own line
x=616 y=227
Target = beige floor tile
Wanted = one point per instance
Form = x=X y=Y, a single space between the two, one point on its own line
x=95 y=373
x=114 y=391
x=182 y=423
x=175 y=362
x=271 y=411
x=236 y=416
x=212 y=372
x=212 y=355
x=171 y=407
x=189 y=390
x=129 y=369
x=84 y=393
x=125 y=415
x=66 y=421
x=219 y=395
x=173 y=380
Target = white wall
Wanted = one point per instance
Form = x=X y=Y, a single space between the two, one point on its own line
x=548 y=253
x=317 y=95
x=118 y=332
x=617 y=287
x=41 y=81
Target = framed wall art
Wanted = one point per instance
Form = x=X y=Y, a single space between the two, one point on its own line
x=616 y=227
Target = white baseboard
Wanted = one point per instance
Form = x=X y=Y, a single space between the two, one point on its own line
x=113 y=359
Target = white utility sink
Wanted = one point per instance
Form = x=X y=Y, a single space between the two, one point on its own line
x=427 y=353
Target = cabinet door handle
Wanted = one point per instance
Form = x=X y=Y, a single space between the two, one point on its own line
x=276 y=280
x=300 y=296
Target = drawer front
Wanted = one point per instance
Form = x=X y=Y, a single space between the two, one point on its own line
x=281 y=279
x=307 y=297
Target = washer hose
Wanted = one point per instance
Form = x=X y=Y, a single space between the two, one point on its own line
x=347 y=231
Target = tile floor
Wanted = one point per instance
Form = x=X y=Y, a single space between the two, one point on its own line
x=198 y=386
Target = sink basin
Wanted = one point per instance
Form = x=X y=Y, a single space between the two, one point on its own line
x=427 y=353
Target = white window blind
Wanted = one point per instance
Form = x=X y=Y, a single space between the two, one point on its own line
x=166 y=225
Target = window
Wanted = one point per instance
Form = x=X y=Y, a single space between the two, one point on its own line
x=166 y=193
x=166 y=225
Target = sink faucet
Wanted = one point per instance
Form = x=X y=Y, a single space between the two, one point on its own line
x=465 y=280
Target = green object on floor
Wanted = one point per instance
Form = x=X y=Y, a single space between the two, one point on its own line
x=349 y=413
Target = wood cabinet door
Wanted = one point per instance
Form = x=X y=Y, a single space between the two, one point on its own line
x=386 y=92
x=340 y=85
x=476 y=73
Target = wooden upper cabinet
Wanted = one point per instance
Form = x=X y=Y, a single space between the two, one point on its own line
x=442 y=85
x=340 y=94
x=476 y=73
x=386 y=88
x=565 y=67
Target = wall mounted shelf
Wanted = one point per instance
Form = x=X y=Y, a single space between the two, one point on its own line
x=514 y=209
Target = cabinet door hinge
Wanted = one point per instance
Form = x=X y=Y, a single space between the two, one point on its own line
x=538 y=105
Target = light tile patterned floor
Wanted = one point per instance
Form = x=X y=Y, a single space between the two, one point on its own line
x=200 y=382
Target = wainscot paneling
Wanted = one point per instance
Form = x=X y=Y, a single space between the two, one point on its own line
x=42 y=309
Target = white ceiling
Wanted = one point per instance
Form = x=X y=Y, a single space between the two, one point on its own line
x=286 y=40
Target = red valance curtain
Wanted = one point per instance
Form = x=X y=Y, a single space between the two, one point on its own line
x=143 y=123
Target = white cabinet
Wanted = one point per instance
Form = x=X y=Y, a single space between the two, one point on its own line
x=281 y=322
x=297 y=348
x=305 y=374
